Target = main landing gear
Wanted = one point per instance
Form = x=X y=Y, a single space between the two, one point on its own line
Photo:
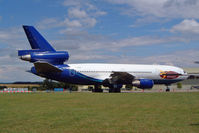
x=112 y=89
x=115 y=89
x=97 y=88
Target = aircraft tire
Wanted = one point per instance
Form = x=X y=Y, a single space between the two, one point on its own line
x=97 y=89
x=114 y=90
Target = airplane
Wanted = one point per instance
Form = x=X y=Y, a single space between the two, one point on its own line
x=197 y=62
x=49 y=63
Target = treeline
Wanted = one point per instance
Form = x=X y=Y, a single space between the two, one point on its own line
x=27 y=82
x=47 y=84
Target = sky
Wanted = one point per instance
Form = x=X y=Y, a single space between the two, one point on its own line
x=162 y=32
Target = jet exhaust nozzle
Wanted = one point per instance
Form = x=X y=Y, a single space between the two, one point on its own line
x=26 y=57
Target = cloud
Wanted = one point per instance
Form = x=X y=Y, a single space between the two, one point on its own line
x=186 y=26
x=77 y=13
x=160 y=8
x=49 y=23
x=178 y=58
x=84 y=40
x=11 y=40
x=12 y=73
x=72 y=2
x=72 y=23
x=4 y=35
x=81 y=15
x=8 y=34
x=85 y=47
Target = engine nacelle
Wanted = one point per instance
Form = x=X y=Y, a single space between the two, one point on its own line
x=143 y=83
x=58 y=57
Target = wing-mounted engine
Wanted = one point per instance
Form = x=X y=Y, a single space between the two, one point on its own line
x=124 y=78
x=143 y=83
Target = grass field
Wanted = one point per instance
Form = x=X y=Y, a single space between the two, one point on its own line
x=99 y=113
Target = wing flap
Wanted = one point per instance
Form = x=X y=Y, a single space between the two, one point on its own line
x=44 y=67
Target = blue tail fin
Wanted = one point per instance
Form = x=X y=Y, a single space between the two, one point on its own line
x=36 y=40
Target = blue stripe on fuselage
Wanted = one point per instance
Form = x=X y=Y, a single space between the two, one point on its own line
x=69 y=76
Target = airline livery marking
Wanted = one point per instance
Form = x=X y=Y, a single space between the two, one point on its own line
x=169 y=74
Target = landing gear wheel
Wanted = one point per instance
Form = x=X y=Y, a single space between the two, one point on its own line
x=114 y=90
x=167 y=89
x=97 y=89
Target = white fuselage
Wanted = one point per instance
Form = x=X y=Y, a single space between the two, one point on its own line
x=103 y=71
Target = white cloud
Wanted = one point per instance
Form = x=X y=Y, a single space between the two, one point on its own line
x=4 y=35
x=100 y=13
x=89 y=22
x=145 y=40
x=81 y=15
x=49 y=23
x=77 y=13
x=178 y=58
x=11 y=40
x=12 y=73
x=72 y=23
x=187 y=26
x=161 y=8
x=10 y=33
x=93 y=47
x=79 y=18
x=72 y=3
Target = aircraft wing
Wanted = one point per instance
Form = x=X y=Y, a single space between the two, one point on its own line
x=44 y=67
x=120 y=78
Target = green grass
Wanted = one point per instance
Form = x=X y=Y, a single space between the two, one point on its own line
x=99 y=113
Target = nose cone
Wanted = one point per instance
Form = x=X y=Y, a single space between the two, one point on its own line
x=26 y=57
x=183 y=75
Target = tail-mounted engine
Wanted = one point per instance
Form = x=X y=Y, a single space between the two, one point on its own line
x=58 y=57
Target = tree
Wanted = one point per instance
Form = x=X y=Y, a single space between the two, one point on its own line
x=129 y=87
x=50 y=85
x=47 y=85
x=2 y=87
x=179 y=85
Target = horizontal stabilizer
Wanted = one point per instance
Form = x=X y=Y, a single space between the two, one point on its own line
x=44 y=67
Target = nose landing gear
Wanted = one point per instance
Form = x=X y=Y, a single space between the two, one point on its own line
x=167 y=89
